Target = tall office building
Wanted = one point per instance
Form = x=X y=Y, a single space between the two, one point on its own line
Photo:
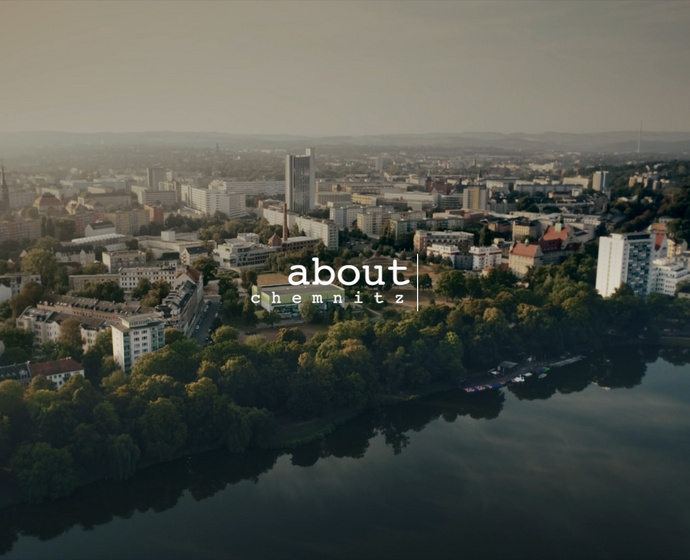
x=601 y=181
x=475 y=198
x=156 y=175
x=625 y=258
x=300 y=188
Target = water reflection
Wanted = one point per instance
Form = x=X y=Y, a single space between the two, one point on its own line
x=203 y=476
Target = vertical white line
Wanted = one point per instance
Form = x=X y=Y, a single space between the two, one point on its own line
x=417 y=281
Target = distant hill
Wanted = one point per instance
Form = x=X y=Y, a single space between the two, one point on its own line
x=604 y=142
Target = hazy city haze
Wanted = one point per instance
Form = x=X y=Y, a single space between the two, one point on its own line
x=344 y=68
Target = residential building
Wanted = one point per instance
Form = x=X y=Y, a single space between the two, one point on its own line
x=115 y=260
x=156 y=214
x=16 y=231
x=191 y=253
x=135 y=336
x=601 y=182
x=58 y=371
x=624 y=258
x=77 y=254
x=344 y=216
x=129 y=222
x=12 y=284
x=523 y=257
x=325 y=230
x=524 y=228
x=99 y=228
x=45 y=325
x=475 y=198
x=210 y=201
x=300 y=188
x=129 y=277
x=666 y=275
x=182 y=307
x=485 y=257
x=460 y=239
x=558 y=242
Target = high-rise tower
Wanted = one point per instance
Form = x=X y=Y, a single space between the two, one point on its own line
x=300 y=188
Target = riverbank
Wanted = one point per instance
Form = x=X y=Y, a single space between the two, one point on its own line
x=289 y=433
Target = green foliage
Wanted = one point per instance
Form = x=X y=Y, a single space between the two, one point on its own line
x=30 y=294
x=162 y=430
x=108 y=290
x=43 y=263
x=44 y=472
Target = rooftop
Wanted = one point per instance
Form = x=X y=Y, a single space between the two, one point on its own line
x=52 y=368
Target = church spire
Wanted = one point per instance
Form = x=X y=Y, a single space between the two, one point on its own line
x=4 y=194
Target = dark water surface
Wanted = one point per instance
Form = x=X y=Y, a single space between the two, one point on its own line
x=591 y=462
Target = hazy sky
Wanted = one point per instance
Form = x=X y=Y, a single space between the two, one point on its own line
x=331 y=68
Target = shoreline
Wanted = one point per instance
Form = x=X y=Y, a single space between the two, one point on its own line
x=290 y=435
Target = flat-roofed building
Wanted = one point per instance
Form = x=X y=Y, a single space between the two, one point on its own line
x=286 y=298
x=135 y=336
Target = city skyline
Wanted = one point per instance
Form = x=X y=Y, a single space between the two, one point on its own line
x=325 y=69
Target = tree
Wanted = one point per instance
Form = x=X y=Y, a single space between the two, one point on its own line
x=248 y=278
x=43 y=263
x=70 y=332
x=107 y=291
x=94 y=268
x=485 y=237
x=309 y=311
x=173 y=335
x=142 y=288
x=451 y=284
x=207 y=266
x=123 y=456
x=30 y=294
x=224 y=334
x=271 y=318
x=248 y=313
x=292 y=334
x=162 y=430
x=44 y=472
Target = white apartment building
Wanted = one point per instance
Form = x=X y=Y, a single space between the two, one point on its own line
x=484 y=257
x=270 y=188
x=325 y=230
x=625 y=258
x=129 y=277
x=241 y=253
x=210 y=201
x=665 y=276
x=135 y=336
x=300 y=188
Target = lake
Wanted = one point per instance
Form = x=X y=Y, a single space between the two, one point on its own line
x=591 y=462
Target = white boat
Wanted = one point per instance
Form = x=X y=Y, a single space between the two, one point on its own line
x=528 y=374
x=519 y=379
x=541 y=376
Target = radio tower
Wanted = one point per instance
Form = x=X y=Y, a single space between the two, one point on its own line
x=639 y=138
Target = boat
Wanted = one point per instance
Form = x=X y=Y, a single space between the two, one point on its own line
x=528 y=374
x=519 y=379
x=541 y=376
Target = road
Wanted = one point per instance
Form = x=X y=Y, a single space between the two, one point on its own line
x=207 y=319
